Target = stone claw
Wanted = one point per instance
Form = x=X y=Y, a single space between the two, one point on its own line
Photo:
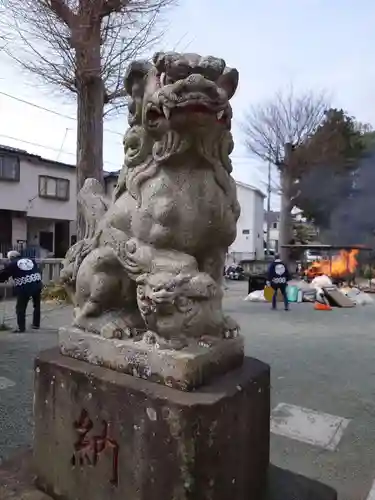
x=118 y=329
x=150 y=338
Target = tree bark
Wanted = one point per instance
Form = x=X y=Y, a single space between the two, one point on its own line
x=286 y=220
x=90 y=109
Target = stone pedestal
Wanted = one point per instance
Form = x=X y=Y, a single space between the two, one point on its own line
x=101 y=434
x=16 y=482
x=186 y=369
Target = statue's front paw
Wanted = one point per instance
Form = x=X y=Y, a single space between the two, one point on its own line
x=118 y=329
x=152 y=338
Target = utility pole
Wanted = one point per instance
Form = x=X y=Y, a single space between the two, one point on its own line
x=268 y=209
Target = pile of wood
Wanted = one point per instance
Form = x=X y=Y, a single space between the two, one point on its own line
x=335 y=298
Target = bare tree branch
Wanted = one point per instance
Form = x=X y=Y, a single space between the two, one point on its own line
x=47 y=35
x=84 y=47
x=62 y=10
x=276 y=128
x=286 y=118
x=110 y=6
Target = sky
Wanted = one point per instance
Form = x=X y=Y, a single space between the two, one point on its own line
x=313 y=45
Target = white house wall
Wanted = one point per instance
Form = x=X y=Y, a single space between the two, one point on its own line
x=274 y=235
x=258 y=223
x=19 y=229
x=35 y=226
x=249 y=240
x=23 y=196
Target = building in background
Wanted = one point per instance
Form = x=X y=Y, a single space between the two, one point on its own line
x=249 y=243
x=37 y=202
x=110 y=182
x=38 y=206
x=273 y=219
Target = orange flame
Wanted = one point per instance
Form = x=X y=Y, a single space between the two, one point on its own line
x=341 y=265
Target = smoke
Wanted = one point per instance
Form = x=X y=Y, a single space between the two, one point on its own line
x=346 y=202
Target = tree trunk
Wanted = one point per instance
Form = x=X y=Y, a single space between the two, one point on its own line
x=286 y=220
x=90 y=132
x=90 y=108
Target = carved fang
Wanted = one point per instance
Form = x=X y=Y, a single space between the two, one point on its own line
x=220 y=115
x=167 y=112
x=162 y=79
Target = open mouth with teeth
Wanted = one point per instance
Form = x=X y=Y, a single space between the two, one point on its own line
x=155 y=113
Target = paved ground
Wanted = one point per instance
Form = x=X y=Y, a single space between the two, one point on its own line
x=322 y=361
x=17 y=353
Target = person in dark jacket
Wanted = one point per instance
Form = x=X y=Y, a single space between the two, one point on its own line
x=278 y=277
x=27 y=284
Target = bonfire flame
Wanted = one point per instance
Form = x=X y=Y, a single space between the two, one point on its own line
x=340 y=266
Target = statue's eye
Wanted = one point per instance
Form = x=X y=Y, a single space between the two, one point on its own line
x=183 y=304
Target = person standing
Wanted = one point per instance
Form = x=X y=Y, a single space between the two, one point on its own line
x=27 y=284
x=278 y=277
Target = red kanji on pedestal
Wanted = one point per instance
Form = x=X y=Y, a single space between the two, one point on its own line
x=87 y=448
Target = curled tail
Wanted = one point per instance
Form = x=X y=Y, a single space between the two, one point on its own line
x=93 y=204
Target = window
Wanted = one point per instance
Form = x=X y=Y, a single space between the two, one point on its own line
x=274 y=225
x=54 y=187
x=9 y=168
x=246 y=231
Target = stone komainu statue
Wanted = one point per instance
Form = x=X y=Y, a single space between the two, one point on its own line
x=152 y=257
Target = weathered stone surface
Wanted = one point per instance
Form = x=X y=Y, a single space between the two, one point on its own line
x=152 y=258
x=16 y=483
x=185 y=369
x=100 y=434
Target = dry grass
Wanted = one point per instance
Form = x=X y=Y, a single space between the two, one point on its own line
x=55 y=292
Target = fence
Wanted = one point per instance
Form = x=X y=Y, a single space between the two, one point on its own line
x=50 y=269
x=31 y=251
x=255 y=266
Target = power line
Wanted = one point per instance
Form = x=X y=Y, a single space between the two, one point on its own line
x=42 y=108
x=57 y=150
x=57 y=113
x=62 y=144
x=67 y=117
